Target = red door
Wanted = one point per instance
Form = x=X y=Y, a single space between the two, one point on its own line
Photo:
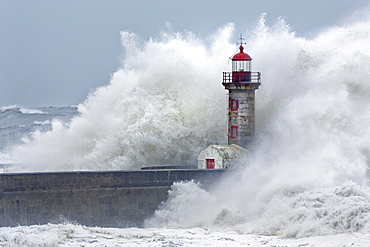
x=210 y=163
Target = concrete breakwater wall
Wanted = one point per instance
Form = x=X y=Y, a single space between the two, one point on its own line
x=106 y=199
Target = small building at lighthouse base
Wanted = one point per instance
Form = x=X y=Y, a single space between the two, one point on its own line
x=221 y=156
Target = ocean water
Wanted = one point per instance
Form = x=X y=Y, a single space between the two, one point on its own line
x=19 y=124
x=305 y=184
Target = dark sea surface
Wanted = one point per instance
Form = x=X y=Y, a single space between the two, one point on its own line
x=18 y=122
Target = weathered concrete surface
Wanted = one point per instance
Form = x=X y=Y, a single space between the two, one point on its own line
x=106 y=199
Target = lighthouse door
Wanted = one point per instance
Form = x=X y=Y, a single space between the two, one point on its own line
x=210 y=163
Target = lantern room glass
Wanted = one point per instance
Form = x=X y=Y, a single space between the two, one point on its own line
x=240 y=65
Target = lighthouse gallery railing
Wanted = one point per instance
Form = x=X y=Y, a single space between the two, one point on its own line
x=241 y=77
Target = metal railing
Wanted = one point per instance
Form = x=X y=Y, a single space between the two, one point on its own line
x=241 y=77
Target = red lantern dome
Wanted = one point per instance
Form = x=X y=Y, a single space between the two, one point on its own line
x=241 y=56
x=241 y=65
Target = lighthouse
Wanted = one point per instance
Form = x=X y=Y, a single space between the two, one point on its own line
x=241 y=84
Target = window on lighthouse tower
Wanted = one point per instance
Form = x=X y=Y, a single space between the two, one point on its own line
x=234 y=104
x=234 y=131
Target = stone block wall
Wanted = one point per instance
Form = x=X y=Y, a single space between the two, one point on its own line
x=106 y=199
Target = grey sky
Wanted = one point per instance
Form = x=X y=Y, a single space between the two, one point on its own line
x=53 y=53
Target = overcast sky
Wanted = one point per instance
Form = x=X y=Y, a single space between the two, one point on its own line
x=54 y=53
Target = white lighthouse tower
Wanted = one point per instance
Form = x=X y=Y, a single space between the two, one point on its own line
x=242 y=84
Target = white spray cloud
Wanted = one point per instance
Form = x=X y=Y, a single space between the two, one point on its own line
x=309 y=170
x=308 y=174
x=161 y=108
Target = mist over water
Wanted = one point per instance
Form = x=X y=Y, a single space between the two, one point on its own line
x=308 y=174
x=162 y=107
x=309 y=170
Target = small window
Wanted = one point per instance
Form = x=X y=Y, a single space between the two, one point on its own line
x=234 y=104
x=234 y=131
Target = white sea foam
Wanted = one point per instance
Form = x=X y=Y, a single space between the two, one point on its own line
x=309 y=170
x=75 y=235
x=11 y=107
x=47 y=122
x=5 y=159
x=21 y=109
x=30 y=111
